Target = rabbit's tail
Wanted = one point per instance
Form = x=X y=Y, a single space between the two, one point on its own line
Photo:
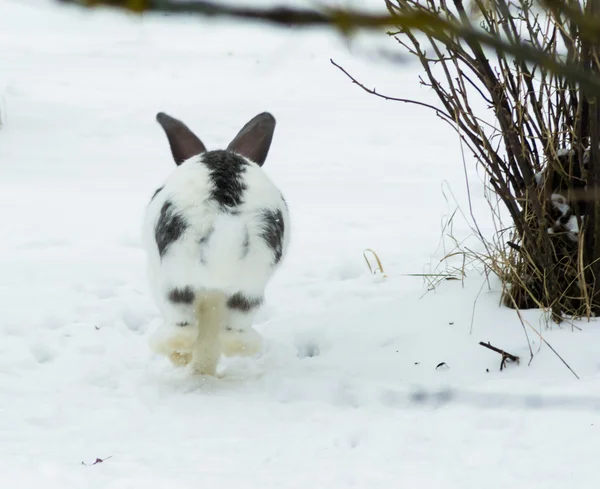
x=211 y=314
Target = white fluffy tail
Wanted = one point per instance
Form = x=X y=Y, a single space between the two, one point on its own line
x=211 y=313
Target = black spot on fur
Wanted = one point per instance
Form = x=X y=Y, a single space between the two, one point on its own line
x=181 y=296
x=183 y=323
x=156 y=193
x=204 y=239
x=566 y=217
x=246 y=244
x=272 y=232
x=240 y=302
x=226 y=170
x=169 y=228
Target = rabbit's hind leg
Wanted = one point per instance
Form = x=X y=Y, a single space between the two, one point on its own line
x=238 y=337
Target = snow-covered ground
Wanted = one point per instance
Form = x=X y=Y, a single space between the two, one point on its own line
x=346 y=393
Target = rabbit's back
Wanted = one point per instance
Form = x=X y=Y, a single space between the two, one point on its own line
x=218 y=222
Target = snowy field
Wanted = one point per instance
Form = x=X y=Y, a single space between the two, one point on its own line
x=346 y=392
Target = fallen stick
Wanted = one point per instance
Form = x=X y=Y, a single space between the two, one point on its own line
x=505 y=355
x=98 y=461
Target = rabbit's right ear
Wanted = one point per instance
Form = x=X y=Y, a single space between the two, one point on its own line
x=254 y=139
x=184 y=143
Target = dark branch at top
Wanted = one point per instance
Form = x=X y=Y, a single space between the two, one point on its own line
x=345 y=21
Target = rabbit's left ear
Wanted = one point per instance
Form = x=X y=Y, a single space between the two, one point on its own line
x=254 y=139
x=184 y=143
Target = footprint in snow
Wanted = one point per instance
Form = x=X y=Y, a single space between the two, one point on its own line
x=308 y=350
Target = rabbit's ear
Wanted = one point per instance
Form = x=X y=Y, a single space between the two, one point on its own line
x=184 y=143
x=254 y=140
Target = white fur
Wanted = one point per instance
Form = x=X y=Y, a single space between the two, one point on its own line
x=223 y=268
x=559 y=203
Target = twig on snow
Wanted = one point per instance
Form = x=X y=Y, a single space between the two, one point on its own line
x=372 y=269
x=505 y=355
x=98 y=461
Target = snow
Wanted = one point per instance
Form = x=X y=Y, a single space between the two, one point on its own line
x=346 y=393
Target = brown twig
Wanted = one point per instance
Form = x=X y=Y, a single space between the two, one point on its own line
x=505 y=355
x=98 y=461
x=372 y=91
x=512 y=357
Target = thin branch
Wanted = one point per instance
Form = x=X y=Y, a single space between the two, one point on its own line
x=372 y=91
x=512 y=357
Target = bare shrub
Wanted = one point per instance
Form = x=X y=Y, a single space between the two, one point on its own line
x=536 y=149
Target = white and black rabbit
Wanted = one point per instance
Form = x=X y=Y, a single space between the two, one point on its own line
x=214 y=234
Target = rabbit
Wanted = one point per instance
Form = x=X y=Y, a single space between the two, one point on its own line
x=214 y=234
